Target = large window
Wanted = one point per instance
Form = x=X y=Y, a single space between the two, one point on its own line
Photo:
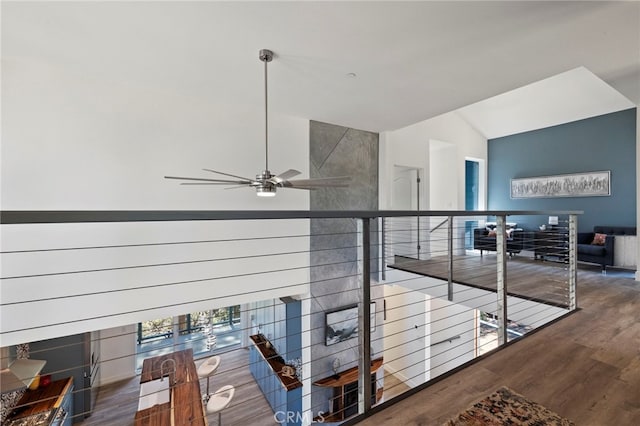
x=214 y=321
x=226 y=316
x=154 y=329
x=202 y=331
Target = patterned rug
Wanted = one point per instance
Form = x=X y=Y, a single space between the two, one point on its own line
x=505 y=407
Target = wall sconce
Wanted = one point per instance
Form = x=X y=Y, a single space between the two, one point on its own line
x=335 y=366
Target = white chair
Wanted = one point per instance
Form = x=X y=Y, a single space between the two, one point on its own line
x=207 y=369
x=220 y=400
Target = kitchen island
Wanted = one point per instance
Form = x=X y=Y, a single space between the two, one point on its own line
x=183 y=403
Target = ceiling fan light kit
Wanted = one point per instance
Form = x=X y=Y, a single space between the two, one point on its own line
x=266 y=183
x=265 y=191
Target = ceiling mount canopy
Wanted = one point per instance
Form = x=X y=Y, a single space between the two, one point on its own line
x=266 y=183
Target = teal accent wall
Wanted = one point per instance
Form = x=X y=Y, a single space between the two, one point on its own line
x=606 y=142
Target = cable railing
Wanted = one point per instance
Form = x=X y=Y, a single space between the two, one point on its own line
x=430 y=290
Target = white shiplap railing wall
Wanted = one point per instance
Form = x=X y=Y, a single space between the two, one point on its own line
x=65 y=273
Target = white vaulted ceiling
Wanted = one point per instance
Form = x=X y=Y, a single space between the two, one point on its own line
x=412 y=60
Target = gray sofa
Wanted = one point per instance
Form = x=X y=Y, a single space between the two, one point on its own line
x=600 y=254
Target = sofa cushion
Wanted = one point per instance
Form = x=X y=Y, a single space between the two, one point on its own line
x=591 y=249
x=599 y=239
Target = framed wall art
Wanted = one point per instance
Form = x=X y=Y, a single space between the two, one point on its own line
x=589 y=184
x=342 y=324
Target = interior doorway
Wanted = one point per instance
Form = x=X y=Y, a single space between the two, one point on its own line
x=406 y=196
x=471 y=198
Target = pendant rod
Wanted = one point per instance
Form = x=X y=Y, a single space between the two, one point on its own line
x=266 y=119
x=266 y=56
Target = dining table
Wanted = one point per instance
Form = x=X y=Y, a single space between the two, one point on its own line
x=185 y=399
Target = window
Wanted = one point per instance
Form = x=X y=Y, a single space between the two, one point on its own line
x=154 y=329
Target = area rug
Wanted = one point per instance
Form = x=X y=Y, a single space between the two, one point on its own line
x=506 y=407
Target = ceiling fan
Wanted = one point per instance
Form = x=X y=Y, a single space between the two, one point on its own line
x=266 y=183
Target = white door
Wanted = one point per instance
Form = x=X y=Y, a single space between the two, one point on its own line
x=405 y=196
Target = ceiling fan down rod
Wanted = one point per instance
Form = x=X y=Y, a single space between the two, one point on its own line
x=266 y=56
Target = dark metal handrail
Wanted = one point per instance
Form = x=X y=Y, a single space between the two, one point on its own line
x=79 y=216
x=439 y=225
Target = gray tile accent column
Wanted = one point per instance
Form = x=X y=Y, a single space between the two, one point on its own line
x=339 y=151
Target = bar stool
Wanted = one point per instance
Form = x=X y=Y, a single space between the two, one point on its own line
x=207 y=369
x=220 y=400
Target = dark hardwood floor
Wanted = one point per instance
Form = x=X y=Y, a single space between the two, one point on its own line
x=585 y=367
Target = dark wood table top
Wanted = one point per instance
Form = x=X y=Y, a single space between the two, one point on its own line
x=185 y=406
x=347 y=376
x=43 y=399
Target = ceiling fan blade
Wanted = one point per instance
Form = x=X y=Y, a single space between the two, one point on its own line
x=237 y=182
x=335 y=182
x=205 y=183
x=309 y=188
x=236 y=187
x=226 y=174
x=284 y=176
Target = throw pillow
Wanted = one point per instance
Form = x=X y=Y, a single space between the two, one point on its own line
x=492 y=233
x=599 y=239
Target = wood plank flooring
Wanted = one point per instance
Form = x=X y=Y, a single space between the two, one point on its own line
x=118 y=402
x=585 y=367
x=526 y=277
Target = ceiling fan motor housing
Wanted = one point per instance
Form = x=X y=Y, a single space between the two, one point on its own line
x=265 y=175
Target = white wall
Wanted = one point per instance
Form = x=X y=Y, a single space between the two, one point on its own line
x=117 y=354
x=109 y=287
x=406 y=331
x=74 y=142
x=97 y=142
x=443 y=175
x=409 y=147
x=450 y=320
x=420 y=320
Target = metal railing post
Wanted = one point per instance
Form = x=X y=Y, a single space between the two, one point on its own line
x=573 y=261
x=501 y=278
x=450 y=254
x=383 y=245
x=364 y=320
